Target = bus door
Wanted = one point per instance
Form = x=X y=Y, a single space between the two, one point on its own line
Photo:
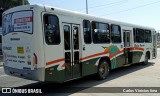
x=154 y=45
x=127 y=45
x=71 y=50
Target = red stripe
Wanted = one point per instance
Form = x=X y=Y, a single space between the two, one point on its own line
x=55 y=61
x=137 y=48
x=112 y=55
x=94 y=55
x=119 y=52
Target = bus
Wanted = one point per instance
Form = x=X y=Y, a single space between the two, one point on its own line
x=45 y=43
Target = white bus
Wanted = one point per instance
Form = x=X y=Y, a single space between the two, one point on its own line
x=50 y=44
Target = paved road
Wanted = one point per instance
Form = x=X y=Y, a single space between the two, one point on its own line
x=131 y=76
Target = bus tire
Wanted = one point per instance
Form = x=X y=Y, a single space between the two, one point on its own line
x=145 y=60
x=103 y=70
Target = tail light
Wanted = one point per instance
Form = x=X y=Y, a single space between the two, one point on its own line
x=35 y=60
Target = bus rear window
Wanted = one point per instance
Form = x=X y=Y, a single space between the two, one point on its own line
x=20 y=21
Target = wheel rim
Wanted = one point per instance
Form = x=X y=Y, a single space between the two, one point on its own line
x=103 y=70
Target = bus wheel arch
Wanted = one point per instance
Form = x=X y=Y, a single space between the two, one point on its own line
x=147 y=57
x=104 y=68
x=148 y=54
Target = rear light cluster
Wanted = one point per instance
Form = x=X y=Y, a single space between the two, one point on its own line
x=35 y=60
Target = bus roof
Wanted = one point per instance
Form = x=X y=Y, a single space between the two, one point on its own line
x=73 y=14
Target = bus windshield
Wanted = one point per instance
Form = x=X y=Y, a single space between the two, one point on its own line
x=21 y=21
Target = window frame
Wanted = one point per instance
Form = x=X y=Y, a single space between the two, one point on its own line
x=119 y=31
x=98 y=27
x=57 y=29
x=136 y=35
x=90 y=32
x=148 y=36
x=69 y=45
x=4 y=33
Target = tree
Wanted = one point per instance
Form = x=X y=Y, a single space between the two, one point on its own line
x=6 y=4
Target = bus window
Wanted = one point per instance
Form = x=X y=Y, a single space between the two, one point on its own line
x=116 y=33
x=148 y=37
x=100 y=32
x=134 y=34
x=87 y=31
x=51 y=28
x=139 y=35
x=66 y=29
x=76 y=37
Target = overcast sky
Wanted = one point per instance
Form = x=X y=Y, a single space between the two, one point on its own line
x=141 y=12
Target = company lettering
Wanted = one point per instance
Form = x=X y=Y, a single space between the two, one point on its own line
x=22 y=20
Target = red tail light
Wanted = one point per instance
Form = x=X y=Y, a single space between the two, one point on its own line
x=35 y=59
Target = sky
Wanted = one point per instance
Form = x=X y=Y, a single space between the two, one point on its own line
x=141 y=12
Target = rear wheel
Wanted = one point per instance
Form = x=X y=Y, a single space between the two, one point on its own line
x=145 y=60
x=103 y=70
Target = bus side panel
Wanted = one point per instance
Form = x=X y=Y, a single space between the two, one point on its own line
x=89 y=67
x=54 y=56
x=137 y=55
x=38 y=44
x=54 y=75
x=117 y=49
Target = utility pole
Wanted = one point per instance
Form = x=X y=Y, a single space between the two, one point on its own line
x=86 y=6
x=22 y=2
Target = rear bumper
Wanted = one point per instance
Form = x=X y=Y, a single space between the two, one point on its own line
x=37 y=74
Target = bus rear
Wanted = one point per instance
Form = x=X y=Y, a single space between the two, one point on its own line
x=20 y=55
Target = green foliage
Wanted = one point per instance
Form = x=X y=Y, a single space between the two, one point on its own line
x=6 y=4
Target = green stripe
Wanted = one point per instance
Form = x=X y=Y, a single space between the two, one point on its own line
x=88 y=67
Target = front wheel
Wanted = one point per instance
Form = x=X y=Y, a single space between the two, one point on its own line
x=103 y=70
